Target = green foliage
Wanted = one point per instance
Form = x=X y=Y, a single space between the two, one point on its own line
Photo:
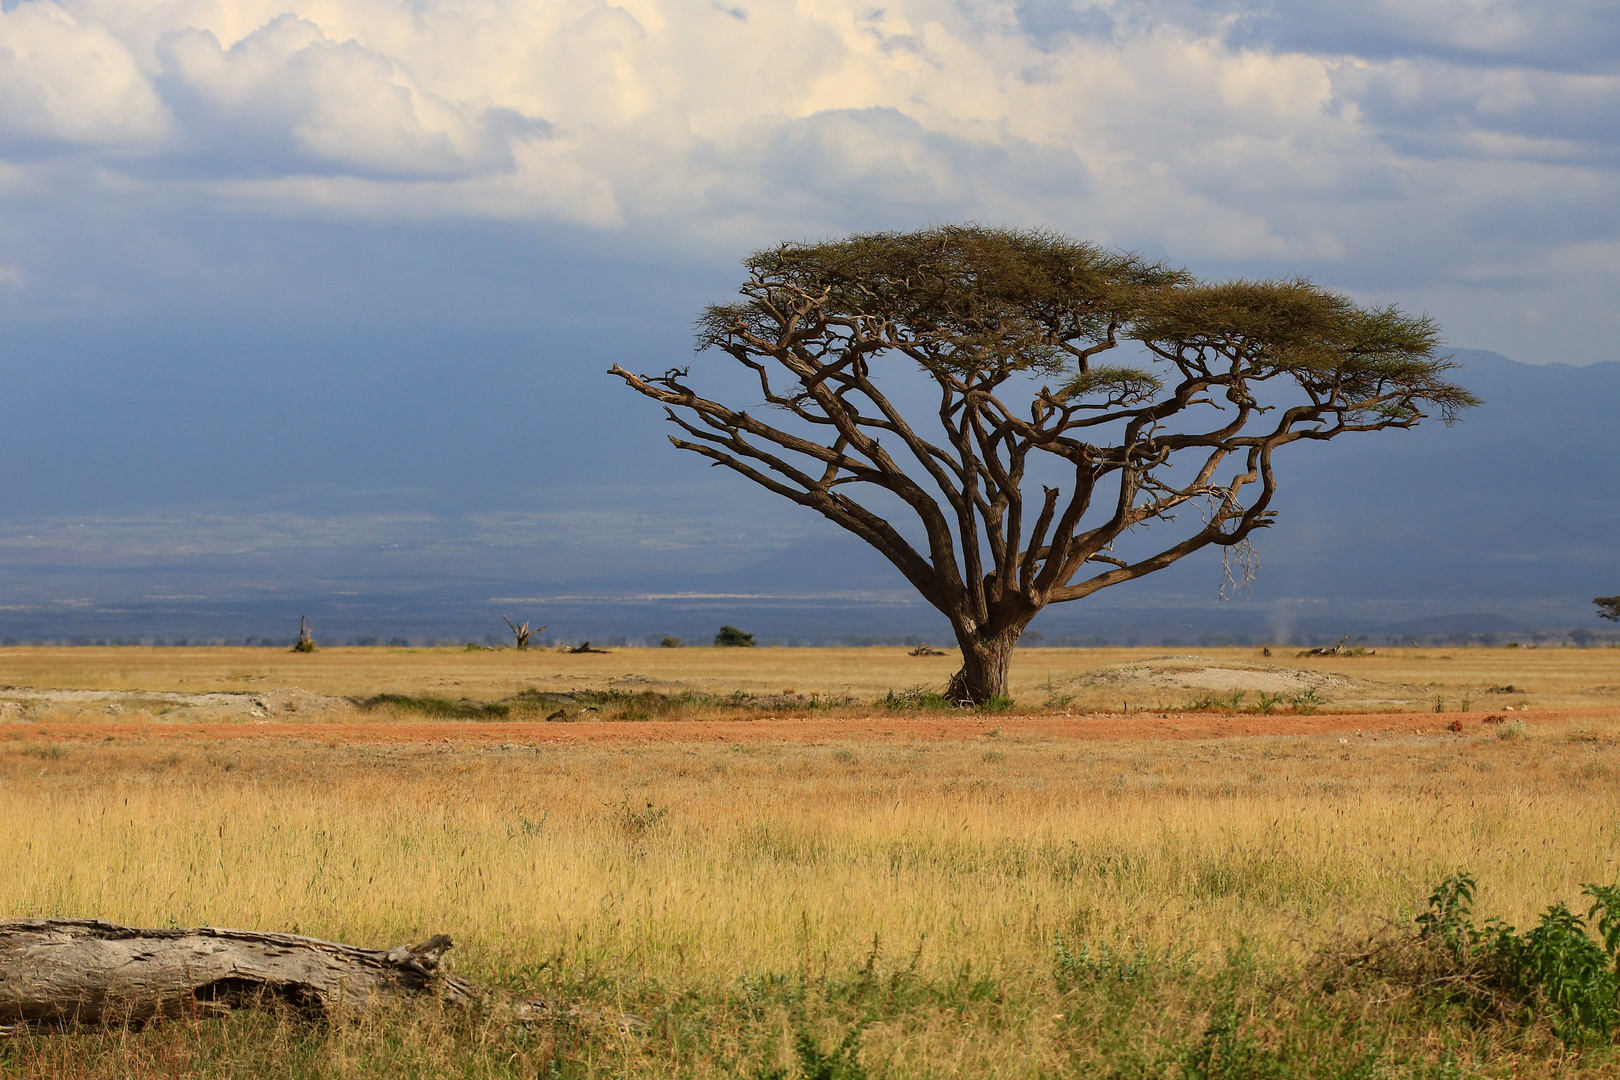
x=1122 y=385
x=920 y=699
x=915 y=699
x=1305 y=702
x=1227 y=1052
x=1325 y=342
x=1449 y=919
x=1096 y=964
x=732 y=638
x=1556 y=968
x=671 y=643
x=968 y=298
x=965 y=297
x=1231 y=1050
x=1232 y=702
x=618 y=703
x=837 y=1064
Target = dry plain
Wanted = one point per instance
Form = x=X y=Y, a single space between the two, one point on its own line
x=794 y=865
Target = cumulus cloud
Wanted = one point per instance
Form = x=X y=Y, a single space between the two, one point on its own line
x=288 y=98
x=70 y=80
x=1382 y=144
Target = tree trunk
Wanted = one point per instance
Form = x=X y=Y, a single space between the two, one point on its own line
x=985 y=660
x=68 y=972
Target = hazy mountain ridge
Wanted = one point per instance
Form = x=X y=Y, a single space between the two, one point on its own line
x=1510 y=514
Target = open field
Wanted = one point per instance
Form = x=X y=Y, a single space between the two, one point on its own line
x=706 y=682
x=938 y=894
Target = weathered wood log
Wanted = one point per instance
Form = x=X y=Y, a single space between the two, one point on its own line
x=72 y=972
x=585 y=647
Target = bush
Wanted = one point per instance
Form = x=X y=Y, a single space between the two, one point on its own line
x=732 y=638
x=1555 y=968
x=915 y=698
x=671 y=643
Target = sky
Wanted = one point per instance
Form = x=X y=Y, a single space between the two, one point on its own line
x=356 y=160
x=363 y=262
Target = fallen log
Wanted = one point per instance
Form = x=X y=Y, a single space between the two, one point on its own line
x=80 y=972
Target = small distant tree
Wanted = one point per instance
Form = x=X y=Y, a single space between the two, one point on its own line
x=733 y=638
x=1608 y=607
x=671 y=643
x=306 y=643
x=1033 y=457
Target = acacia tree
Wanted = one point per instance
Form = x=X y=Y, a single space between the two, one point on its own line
x=1608 y=607
x=1008 y=327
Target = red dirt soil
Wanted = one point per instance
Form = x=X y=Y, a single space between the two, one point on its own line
x=1102 y=726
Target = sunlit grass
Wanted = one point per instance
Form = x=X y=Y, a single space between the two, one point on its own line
x=645 y=876
x=849 y=680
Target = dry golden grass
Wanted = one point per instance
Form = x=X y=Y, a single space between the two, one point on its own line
x=742 y=894
x=1042 y=679
x=693 y=868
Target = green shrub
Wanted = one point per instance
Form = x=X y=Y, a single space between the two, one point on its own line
x=732 y=638
x=1556 y=968
x=914 y=699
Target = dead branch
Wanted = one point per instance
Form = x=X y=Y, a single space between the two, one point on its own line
x=585 y=647
x=520 y=632
x=86 y=972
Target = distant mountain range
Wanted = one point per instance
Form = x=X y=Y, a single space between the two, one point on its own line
x=1506 y=524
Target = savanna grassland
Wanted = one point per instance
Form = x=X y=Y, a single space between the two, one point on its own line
x=1003 y=903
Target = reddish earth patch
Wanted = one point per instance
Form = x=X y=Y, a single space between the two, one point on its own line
x=1105 y=726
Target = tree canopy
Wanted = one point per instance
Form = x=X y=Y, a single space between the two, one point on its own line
x=1009 y=327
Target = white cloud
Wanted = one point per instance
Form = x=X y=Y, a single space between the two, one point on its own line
x=70 y=79
x=1384 y=144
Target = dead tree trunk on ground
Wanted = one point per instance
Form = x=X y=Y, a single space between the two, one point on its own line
x=69 y=972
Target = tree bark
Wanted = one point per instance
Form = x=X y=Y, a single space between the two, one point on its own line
x=70 y=972
x=985 y=663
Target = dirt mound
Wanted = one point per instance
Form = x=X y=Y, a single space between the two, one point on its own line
x=22 y=703
x=1202 y=682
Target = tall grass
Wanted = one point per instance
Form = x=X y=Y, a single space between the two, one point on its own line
x=710 y=886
